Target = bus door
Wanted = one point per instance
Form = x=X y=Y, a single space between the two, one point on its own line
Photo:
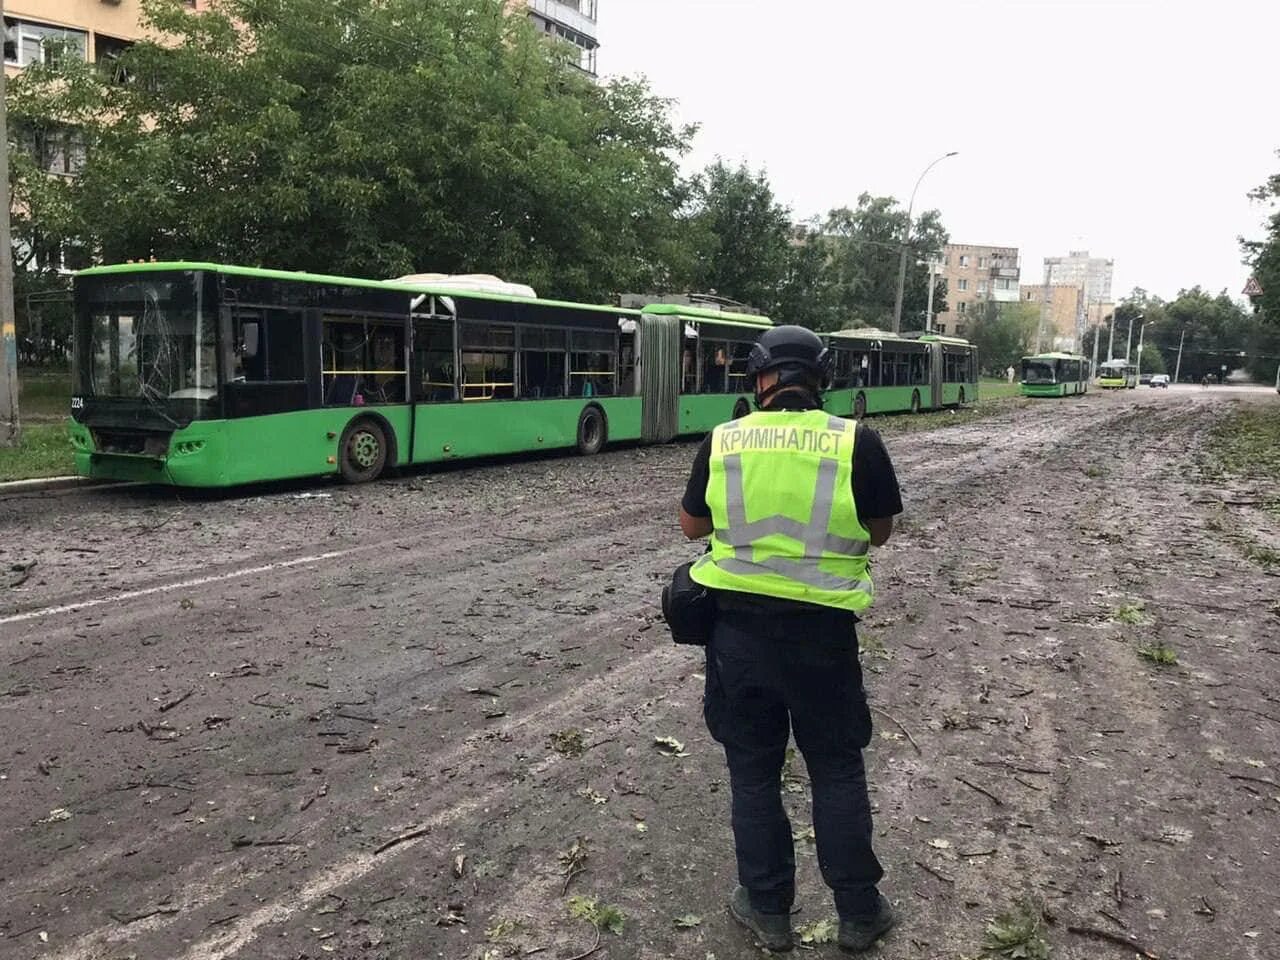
x=660 y=364
x=935 y=375
x=433 y=359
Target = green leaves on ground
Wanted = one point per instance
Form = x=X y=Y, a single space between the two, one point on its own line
x=567 y=742
x=1159 y=653
x=687 y=921
x=1017 y=934
x=819 y=931
x=1132 y=614
x=603 y=916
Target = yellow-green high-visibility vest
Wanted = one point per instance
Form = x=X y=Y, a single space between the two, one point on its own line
x=785 y=524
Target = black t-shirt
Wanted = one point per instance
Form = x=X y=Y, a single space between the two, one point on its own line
x=876 y=496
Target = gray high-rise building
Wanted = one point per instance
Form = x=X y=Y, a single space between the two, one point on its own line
x=1078 y=269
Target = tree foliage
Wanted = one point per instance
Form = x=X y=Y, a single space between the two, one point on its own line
x=370 y=139
x=863 y=247
x=742 y=235
x=1219 y=332
x=1004 y=333
x=1263 y=256
x=380 y=139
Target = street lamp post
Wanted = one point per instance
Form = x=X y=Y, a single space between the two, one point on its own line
x=906 y=239
x=1128 y=343
x=1142 y=331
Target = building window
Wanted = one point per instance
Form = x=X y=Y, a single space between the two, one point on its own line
x=940 y=327
x=982 y=262
x=962 y=284
x=107 y=52
x=26 y=43
x=57 y=149
x=964 y=259
x=982 y=286
x=962 y=307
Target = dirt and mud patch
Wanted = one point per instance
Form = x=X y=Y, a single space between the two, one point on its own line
x=439 y=716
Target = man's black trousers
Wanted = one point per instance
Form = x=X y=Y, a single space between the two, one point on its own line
x=770 y=675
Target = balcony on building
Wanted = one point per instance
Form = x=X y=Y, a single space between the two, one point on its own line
x=573 y=21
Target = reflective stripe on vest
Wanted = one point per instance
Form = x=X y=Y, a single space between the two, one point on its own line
x=741 y=557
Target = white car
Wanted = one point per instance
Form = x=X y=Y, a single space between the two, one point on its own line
x=1160 y=380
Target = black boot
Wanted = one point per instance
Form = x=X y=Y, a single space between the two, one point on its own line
x=773 y=930
x=859 y=932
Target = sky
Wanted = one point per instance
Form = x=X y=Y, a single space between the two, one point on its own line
x=1130 y=128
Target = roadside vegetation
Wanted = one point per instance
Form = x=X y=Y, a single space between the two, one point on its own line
x=43 y=451
x=1243 y=460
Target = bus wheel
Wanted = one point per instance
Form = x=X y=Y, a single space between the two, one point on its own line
x=741 y=409
x=961 y=403
x=860 y=406
x=590 y=431
x=363 y=451
x=915 y=401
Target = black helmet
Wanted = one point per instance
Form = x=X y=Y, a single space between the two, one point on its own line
x=799 y=356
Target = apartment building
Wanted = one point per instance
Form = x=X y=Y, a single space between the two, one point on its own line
x=96 y=30
x=573 y=21
x=1078 y=269
x=975 y=273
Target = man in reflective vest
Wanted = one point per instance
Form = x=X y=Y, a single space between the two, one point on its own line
x=792 y=499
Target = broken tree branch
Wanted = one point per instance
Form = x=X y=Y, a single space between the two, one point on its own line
x=986 y=793
x=1118 y=939
x=933 y=873
x=403 y=838
x=886 y=714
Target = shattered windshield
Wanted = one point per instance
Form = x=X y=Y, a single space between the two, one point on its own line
x=145 y=336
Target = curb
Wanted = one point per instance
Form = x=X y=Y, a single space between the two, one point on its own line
x=43 y=483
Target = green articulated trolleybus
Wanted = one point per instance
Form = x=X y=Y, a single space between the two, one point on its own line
x=199 y=374
x=1055 y=375
x=878 y=372
x=1117 y=375
x=207 y=375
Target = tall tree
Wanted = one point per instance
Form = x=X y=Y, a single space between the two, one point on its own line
x=372 y=139
x=864 y=244
x=807 y=294
x=1004 y=333
x=743 y=235
x=1263 y=256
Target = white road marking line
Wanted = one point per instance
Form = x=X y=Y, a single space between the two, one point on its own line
x=147 y=591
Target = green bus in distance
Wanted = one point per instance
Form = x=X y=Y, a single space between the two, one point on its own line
x=878 y=372
x=1055 y=375
x=207 y=375
x=1117 y=375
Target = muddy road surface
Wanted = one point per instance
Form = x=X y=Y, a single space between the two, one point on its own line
x=420 y=718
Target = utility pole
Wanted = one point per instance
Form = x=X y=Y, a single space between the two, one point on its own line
x=1097 y=335
x=1178 y=367
x=928 y=310
x=1128 y=343
x=8 y=333
x=1142 y=332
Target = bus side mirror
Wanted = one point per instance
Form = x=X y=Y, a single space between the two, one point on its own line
x=249 y=339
